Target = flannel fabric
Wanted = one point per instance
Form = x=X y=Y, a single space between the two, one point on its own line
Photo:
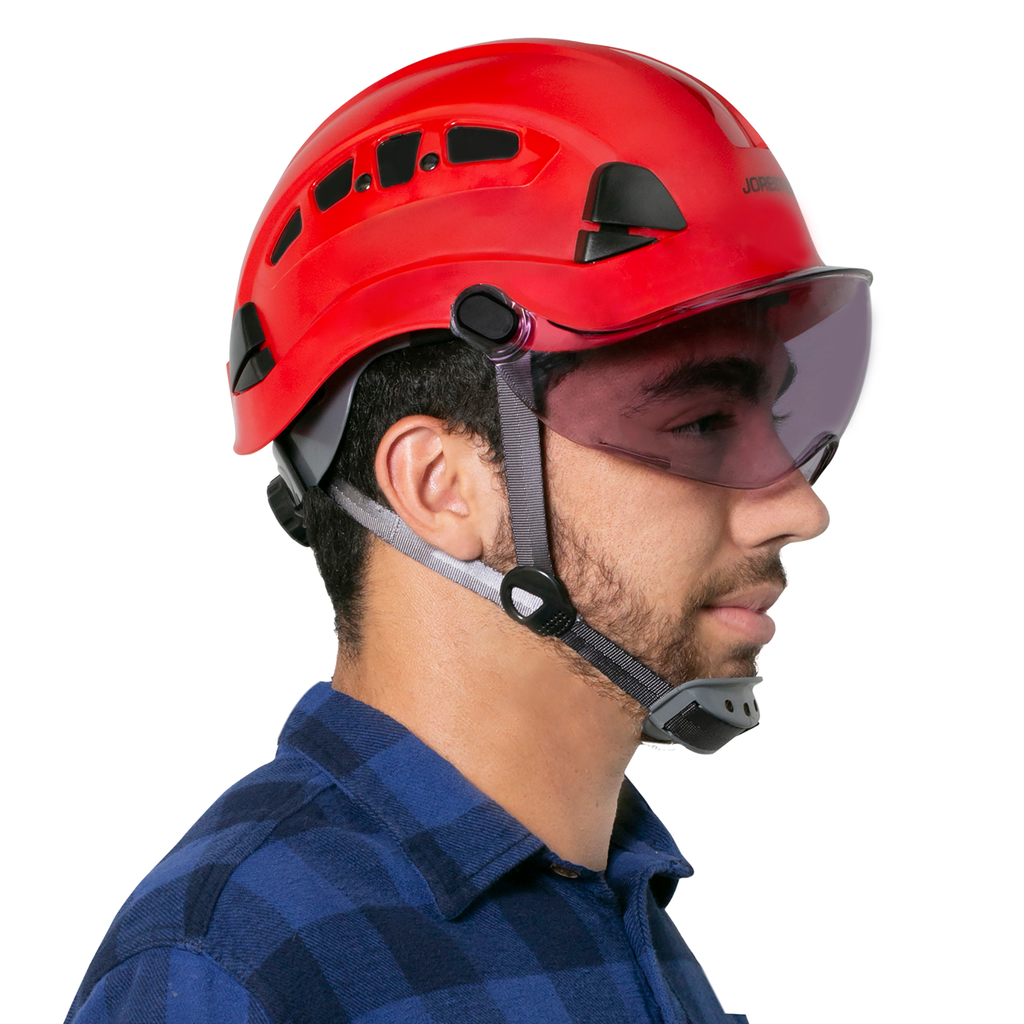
x=358 y=878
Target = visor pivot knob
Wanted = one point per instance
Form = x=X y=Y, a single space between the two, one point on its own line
x=489 y=320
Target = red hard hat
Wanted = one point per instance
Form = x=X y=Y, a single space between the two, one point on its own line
x=595 y=186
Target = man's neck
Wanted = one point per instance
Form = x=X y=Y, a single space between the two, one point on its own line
x=503 y=706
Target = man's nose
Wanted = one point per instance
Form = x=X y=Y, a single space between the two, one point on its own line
x=780 y=514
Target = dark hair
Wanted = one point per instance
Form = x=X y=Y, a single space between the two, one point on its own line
x=448 y=380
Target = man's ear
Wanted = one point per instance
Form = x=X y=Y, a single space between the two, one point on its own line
x=441 y=484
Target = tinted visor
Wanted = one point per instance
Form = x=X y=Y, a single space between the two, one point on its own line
x=739 y=394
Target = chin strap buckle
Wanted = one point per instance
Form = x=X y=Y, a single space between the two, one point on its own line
x=704 y=714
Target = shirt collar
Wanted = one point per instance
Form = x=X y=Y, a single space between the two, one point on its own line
x=460 y=840
x=642 y=850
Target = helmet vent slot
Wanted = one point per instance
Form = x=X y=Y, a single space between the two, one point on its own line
x=396 y=159
x=291 y=231
x=250 y=360
x=472 y=145
x=334 y=187
x=592 y=246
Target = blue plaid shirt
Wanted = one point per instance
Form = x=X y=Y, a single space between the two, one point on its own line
x=360 y=879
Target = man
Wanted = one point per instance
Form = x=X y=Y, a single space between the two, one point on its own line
x=501 y=237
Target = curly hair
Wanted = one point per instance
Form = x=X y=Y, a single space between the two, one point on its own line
x=448 y=380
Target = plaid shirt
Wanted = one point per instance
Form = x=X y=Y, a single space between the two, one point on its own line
x=360 y=878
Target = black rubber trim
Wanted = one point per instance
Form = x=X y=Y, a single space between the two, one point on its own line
x=289 y=233
x=285 y=511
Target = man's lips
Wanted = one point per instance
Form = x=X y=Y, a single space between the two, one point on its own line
x=745 y=612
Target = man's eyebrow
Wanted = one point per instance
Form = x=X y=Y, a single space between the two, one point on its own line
x=730 y=375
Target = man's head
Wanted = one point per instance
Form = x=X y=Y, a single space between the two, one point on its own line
x=605 y=274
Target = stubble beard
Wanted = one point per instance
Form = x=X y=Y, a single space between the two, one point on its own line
x=667 y=644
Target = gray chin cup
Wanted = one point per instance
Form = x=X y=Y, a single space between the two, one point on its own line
x=704 y=714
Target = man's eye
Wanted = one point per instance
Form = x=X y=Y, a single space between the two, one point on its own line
x=704 y=425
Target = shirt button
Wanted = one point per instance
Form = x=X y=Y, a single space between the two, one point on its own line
x=564 y=872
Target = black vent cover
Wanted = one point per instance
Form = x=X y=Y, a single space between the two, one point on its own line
x=632 y=196
x=291 y=231
x=624 y=196
x=249 y=361
x=470 y=145
x=396 y=159
x=334 y=187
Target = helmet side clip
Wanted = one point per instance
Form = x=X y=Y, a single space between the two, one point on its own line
x=622 y=196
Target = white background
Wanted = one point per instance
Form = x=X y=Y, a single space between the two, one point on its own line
x=857 y=857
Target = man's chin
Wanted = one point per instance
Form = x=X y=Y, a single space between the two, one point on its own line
x=737 y=665
x=683 y=663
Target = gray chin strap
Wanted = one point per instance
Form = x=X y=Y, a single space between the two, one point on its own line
x=702 y=714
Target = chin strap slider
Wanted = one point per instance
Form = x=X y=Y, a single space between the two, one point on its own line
x=556 y=613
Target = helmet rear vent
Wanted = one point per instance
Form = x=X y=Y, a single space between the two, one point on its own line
x=334 y=187
x=291 y=231
x=471 y=145
x=396 y=159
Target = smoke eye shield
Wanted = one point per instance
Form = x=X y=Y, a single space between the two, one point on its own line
x=738 y=394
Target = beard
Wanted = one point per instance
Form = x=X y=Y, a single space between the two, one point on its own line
x=613 y=605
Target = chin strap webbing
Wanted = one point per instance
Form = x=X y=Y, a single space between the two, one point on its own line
x=392 y=529
x=524 y=478
x=618 y=665
x=677 y=715
x=608 y=658
x=524 y=475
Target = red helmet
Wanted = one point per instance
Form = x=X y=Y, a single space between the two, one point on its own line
x=595 y=186
x=569 y=210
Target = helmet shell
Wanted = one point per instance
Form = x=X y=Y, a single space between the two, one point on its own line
x=387 y=258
